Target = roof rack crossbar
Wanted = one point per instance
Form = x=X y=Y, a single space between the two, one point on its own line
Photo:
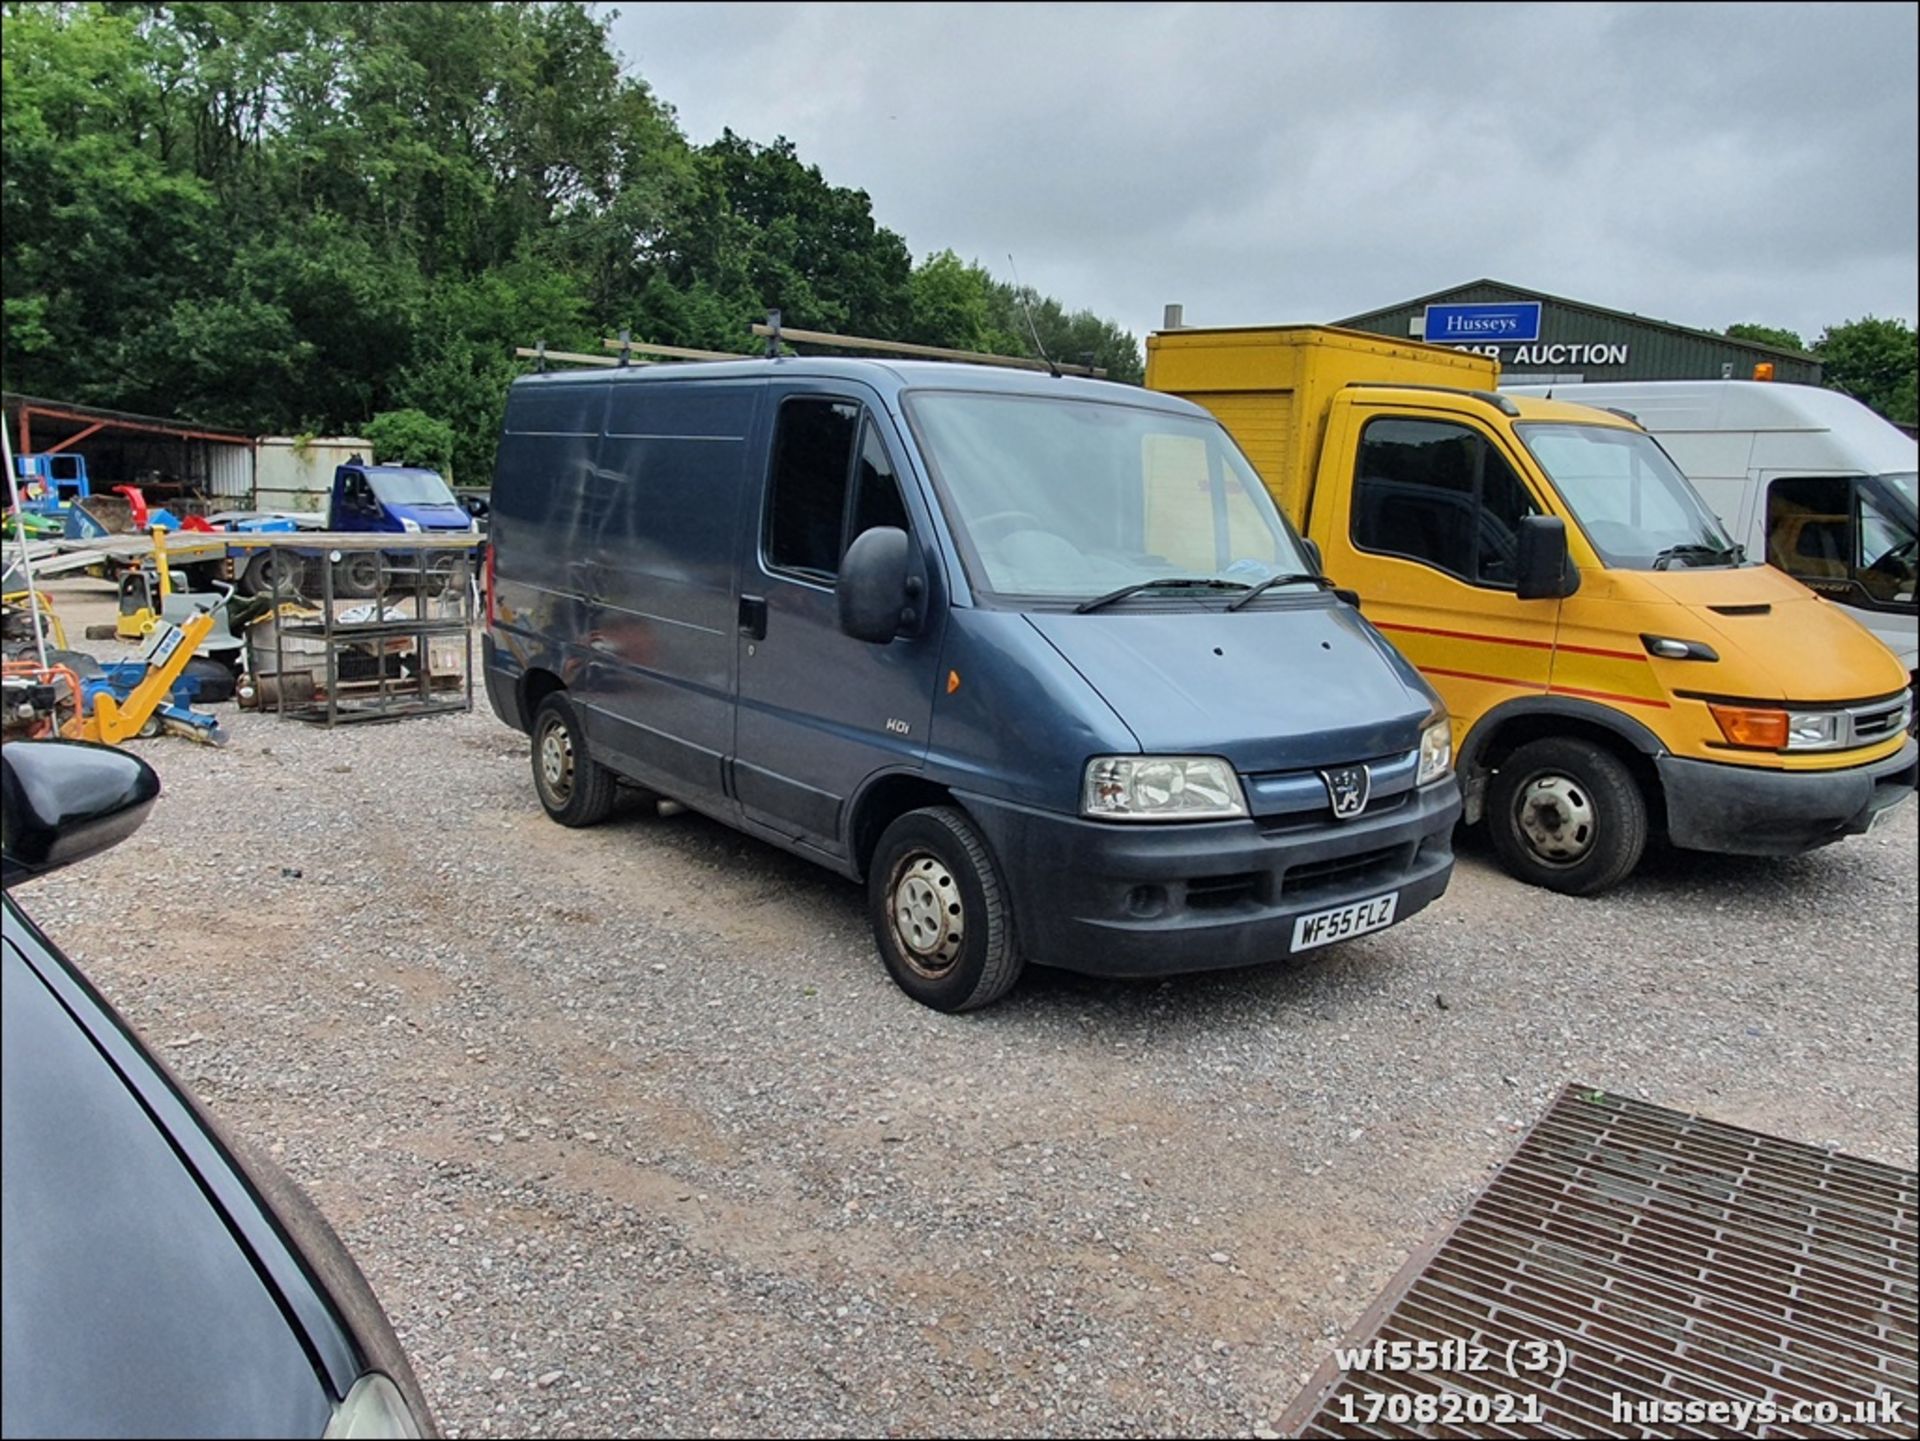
x=543 y=355
x=1502 y=403
x=626 y=345
x=775 y=332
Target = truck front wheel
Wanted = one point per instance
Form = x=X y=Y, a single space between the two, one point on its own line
x=1567 y=815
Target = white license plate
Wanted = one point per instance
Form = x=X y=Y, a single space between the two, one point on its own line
x=1323 y=928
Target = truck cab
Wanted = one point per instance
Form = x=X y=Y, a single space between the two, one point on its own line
x=1614 y=664
x=393 y=499
x=1809 y=480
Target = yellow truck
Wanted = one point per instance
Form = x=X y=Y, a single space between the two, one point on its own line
x=1615 y=667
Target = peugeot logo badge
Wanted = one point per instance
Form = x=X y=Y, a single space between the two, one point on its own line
x=1348 y=788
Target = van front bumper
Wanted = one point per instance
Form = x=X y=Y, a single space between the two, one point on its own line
x=1736 y=810
x=1146 y=900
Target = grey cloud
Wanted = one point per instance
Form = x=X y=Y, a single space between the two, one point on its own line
x=1703 y=164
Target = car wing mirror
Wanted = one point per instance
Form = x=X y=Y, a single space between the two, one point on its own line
x=877 y=596
x=62 y=801
x=1542 y=568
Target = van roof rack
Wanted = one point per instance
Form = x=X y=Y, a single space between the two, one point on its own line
x=1502 y=403
x=628 y=350
x=774 y=333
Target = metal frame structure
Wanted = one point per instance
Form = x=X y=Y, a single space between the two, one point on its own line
x=410 y=569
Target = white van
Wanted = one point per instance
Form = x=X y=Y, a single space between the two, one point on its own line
x=1809 y=478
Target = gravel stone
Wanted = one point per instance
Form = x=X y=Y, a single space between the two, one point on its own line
x=632 y=1134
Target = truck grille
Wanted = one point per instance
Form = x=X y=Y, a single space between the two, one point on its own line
x=1659 y=1259
x=1881 y=719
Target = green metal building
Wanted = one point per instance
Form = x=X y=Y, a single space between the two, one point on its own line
x=1544 y=339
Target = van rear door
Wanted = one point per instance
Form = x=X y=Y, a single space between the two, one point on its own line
x=819 y=712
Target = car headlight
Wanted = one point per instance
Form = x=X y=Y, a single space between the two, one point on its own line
x=1764 y=728
x=1436 y=751
x=1161 y=788
x=373 y=1408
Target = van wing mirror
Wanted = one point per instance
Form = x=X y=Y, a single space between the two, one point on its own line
x=65 y=801
x=1542 y=568
x=874 y=589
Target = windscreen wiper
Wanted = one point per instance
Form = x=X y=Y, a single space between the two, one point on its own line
x=1165 y=582
x=1665 y=559
x=1297 y=578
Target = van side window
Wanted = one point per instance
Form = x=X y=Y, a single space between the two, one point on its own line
x=876 y=492
x=1438 y=493
x=812 y=461
x=1810 y=526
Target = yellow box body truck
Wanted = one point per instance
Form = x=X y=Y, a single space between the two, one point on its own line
x=1615 y=666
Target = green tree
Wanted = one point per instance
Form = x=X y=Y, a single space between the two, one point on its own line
x=1875 y=361
x=1768 y=335
x=412 y=437
x=289 y=217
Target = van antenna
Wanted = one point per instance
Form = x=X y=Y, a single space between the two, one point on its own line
x=1026 y=305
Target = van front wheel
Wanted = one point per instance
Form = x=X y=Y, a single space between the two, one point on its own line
x=1567 y=815
x=575 y=789
x=940 y=913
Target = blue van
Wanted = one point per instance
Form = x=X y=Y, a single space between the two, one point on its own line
x=1035 y=658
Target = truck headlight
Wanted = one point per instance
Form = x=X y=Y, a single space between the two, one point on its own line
x=1765 y=728
x=1161 y=788
x=1436 y=751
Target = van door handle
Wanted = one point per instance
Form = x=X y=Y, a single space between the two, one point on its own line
x=753 y=617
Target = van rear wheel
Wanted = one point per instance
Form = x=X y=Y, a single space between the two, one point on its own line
x=575 y=789
x=1567 y=815
x=940 y=913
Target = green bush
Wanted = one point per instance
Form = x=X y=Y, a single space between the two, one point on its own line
x=412 y=437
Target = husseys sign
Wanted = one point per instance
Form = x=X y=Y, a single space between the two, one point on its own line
x=1510 y=333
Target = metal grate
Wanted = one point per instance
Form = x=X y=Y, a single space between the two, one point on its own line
x=1635 y=1271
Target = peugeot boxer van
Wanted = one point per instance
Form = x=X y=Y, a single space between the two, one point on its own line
x=1033 y=657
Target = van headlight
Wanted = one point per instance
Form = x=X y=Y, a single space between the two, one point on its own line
x=1161 y=788
x=1436 y=751
x=409 y=525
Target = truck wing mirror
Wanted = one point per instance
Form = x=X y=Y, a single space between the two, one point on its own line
x=65 y=801
x=874 y=590
x=1543 y=569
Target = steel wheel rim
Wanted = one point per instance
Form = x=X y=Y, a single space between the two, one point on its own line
x=926 y=914
x=1557 y=819
x=556 y=762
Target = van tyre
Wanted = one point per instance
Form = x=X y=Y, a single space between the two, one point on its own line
x=575 y=789
x=1567 y=815
x=941 y=915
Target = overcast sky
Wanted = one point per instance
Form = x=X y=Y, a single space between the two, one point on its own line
x=1701 y=164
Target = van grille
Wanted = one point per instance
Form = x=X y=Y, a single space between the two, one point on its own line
x=1344 y=872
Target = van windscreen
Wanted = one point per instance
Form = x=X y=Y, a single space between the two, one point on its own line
x=1070 y=499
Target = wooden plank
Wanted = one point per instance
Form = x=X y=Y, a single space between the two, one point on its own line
x=676 y=352
x=574 y=356
x=932 y=352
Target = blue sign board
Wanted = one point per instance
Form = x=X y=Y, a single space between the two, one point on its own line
x=1467 y=324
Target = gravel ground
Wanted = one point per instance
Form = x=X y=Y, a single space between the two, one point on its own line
x=631 y=1132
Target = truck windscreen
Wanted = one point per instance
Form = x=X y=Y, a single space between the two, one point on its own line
x=409 y=487
x=1636 y=508
x=1070 y=499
